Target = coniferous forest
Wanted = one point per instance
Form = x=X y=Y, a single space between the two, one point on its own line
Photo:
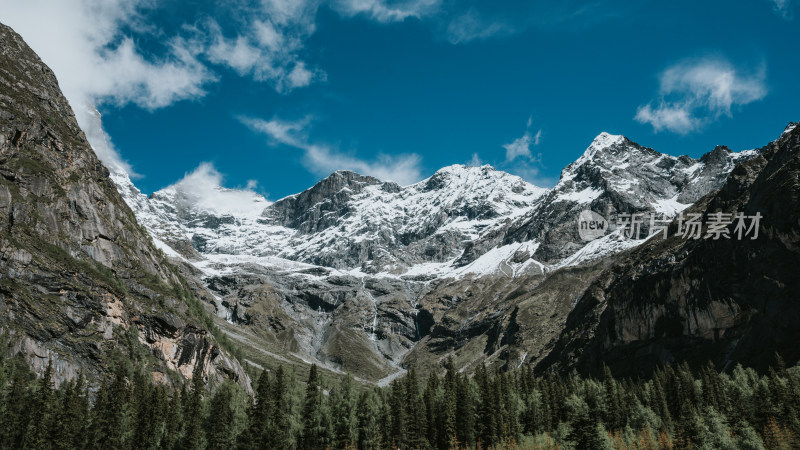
x=676 y=408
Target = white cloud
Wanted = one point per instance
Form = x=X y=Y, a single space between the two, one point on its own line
x=300 y=76
x=238 y=54
x=90 y=45
x=521 y=146
x=530 y=171
x=387 y=10
x=694 y=93
x=95 y=63
x=521 y=160
x=402 y=169
x=784 y=8
x=475 y=161
x=283 y=132
x=323 y=160
x=202 y=188
x=472 y=26
x=268 y=45
x=673 y=117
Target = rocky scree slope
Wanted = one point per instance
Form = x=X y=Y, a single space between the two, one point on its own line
x=728 y=300
x=81 y=283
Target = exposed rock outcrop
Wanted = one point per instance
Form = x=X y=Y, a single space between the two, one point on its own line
x=80 y=280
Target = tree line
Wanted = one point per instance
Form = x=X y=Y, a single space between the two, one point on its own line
x=676 y=408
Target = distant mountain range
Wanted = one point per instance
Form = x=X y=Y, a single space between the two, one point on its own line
x=366 y=276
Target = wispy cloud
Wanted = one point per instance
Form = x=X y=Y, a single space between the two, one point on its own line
x=784 y=8
x=521 y=146
x=471 y=26
x=387 y=11
x=267 y=46
x=475 y=161
x=696 y=92
x=96 y=63
x=520 y=158
x=467 y=22
x=322 y=160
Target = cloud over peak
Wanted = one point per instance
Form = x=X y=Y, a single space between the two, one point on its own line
x=322 y=160
x=521 y=146
x=696 y=92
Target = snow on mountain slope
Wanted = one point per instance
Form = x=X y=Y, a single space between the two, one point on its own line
x=617 y=176
x=383 y=227
x=643 y=177
x=346 y=221
x=434 y=228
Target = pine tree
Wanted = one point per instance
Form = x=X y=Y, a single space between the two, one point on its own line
x=486 y=414
x=16 y=405
x=193 y=410
x=145 y=407
x=584 y=432
x=613 y=403
x=220 y=419
x=259 y=415
x=40 y=427
x=447 y=435
x=368 y=412
x=345 y=428
x=465 y=411
x=431 y=409
x=73 y=415
x=315 y=417
x=415 y=411
x=399 y=419
x=280 y=429
x=107 y=428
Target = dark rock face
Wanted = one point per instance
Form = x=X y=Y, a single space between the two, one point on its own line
x=80 y=280
x=728 y=300
x=321 y=206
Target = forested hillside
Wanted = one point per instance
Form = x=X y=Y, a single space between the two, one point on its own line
x=675 y=409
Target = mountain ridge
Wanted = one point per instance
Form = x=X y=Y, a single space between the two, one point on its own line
x=387 y=268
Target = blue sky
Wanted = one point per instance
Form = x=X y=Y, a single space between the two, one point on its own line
x=276 y=94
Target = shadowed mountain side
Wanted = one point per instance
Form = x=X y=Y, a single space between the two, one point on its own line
x=730 y=301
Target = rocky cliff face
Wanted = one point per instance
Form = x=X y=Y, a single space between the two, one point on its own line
x=729 y=300
x=80 y=280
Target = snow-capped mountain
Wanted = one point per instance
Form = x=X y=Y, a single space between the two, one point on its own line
x=347 y=221
x=616 y=176
x=352 y=222
x=355 y=266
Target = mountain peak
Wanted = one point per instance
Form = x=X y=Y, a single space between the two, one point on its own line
x=602 y=142
x=465 y=179
x=464 y=168
x=789 y=128
x=606 y=139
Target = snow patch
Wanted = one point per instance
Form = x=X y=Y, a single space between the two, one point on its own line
x=583 y=196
